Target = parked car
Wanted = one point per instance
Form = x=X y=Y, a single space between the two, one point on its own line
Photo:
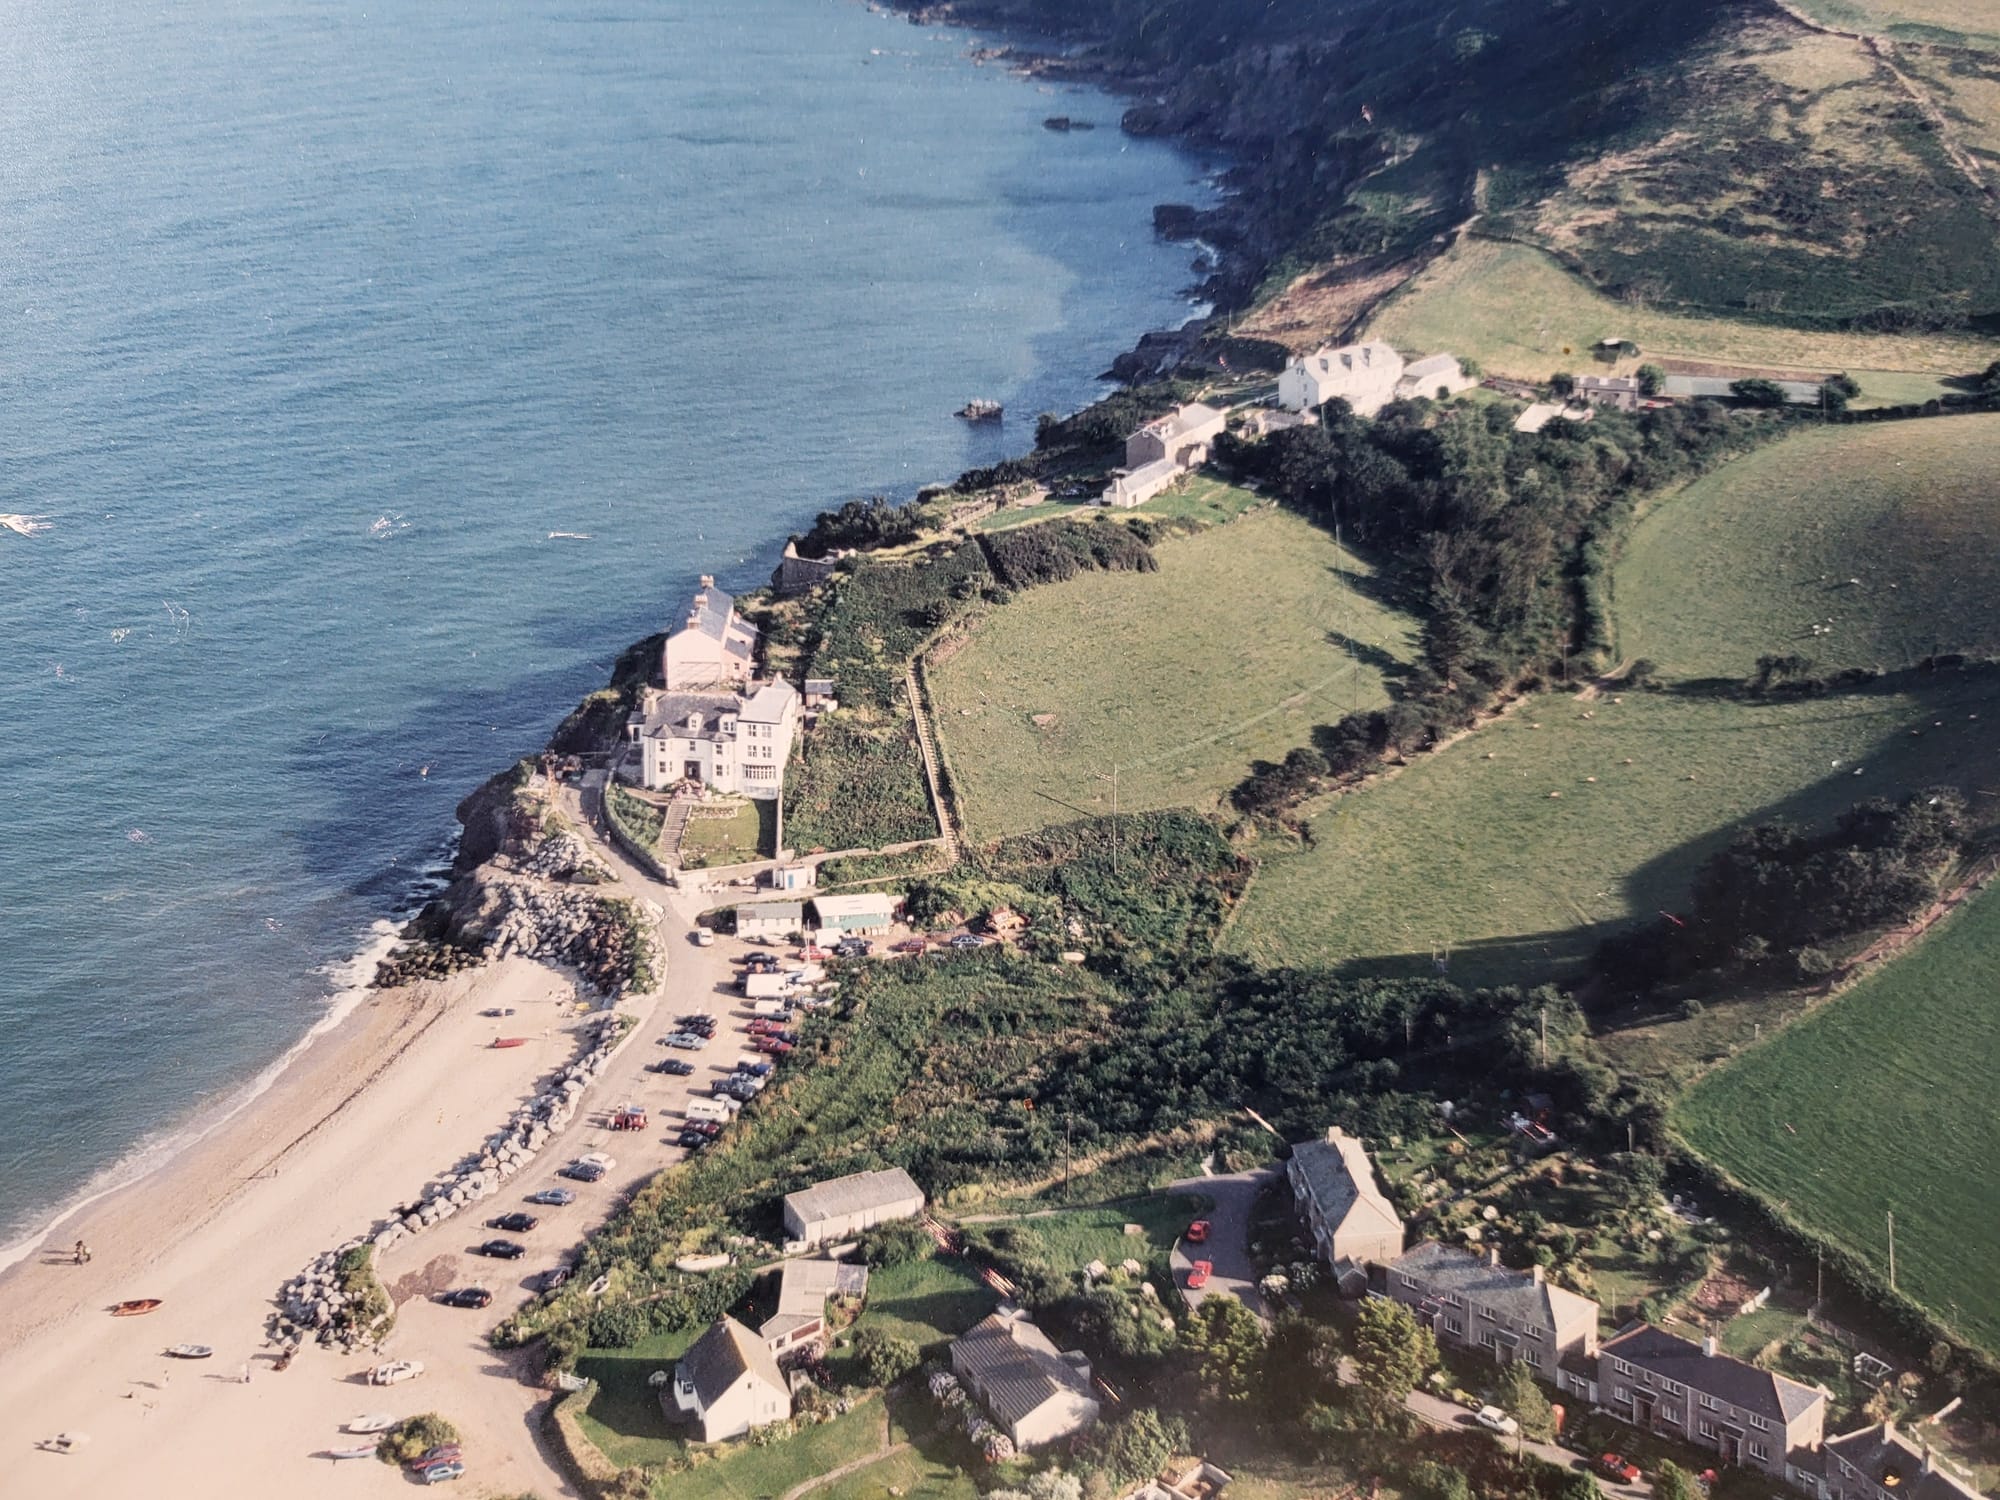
x=469 y=1296
x=1198 y=1275
x=554 y=1277
x=761 y=963
x=968 y=940
x=501 y=1250
x=497 y=1011
x=1197 y=1232
x=709 y=1128
x=440 y=1473
x=1495 y=1420
x=581 y=1171
x=514 y=1223
x=697 y=1020
x=691 y=1140
x=853 y=948
x=754 y=1069
x=763 y=1026
x=1616 y=1466
x=772 y=1045
x=702 y=937
x=437 y=1453
x=671 y=1065
x=553 y=1197
x=692 y=1041
x=598 y=1159
x=909 y=945
x=396 y=1372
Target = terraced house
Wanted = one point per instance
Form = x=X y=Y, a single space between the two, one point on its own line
x=1879 y=1463
x=1351 y=1222
x=1752 y=1417
x=1474 y=1302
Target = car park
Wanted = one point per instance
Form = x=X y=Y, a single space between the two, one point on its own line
x=672 y=1066
x=553 y=1197
x=501 y=1250
x=516 y=1223
x=1616 y=1466
x=469 y=1296
x=1197 y=1232
x=1495 y=1420
x=1198 y=1275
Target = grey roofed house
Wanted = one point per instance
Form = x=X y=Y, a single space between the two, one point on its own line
x=1720 y=1375
x=1334 y=1183
x=1446 y=1268
x=691 y=716
x=719 y=1357
x=1878 y=1462
x=803 y=1287
x=1033 y=1390
x=711 y=609
x=847 y=1205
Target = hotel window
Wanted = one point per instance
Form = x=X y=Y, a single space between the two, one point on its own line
x=1452 y=1325
x=1620 y=1366
x=1707 y=1428
x=1486 y=1313
x=1758 y=1451
x=1409 y=1282
x=1757 y=1422
x=1672 y=1387
x=1709 y=1401
x=1623 y=1394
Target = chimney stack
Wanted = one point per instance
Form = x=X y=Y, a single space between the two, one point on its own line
x=707 y=581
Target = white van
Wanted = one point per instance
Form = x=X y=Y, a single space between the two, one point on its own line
x=766 y=986
x=713 y=1110
x=774 y=1010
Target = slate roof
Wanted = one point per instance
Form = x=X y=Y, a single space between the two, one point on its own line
x=852 y=1195
x=1014 y=1367
x=1895 y=1463
x=804 y=1286
x=793 y=912
x=1341 y=1180
x=1728 y=1379
x=716 y=1360
x=710 y=611
x=867 y=904
x=1182 y=419
x=1352 y=357
x=1446 y=1268
x=1146 y=473
x=768 y=704
x=1437 y=364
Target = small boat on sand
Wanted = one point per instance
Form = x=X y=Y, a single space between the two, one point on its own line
x=510 y=1041
x=135 y=1307
x=376 y=1421
x=188 y=1351
x=359 y=1450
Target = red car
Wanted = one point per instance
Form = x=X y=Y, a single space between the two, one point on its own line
x=1197 y=1233
x=1621 y=1469
x=909 y=945
x=764 y=1026
x=1198 y=1276
x=772 y=1046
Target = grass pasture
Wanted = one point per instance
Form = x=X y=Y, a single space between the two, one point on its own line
x=1520 y=314
x=1963 y=23
x=1179 y=678
x=751 y=832
x=1872 y=1107
x=1504 y=848
x=1884 y=533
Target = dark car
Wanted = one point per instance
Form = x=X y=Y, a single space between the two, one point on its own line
x=692 y=1140
x=516 y=1223
x=555 y=1278
x=699 y=1020
x=909 y=945
x=671 y=1065
x=581 y=1171
x=708 y=1128
x=554 y=1197
x=470 y=1296
x=854 y=947
x=968 y=940
x=761 y=963
x=501 y=1250
x=754 y=1069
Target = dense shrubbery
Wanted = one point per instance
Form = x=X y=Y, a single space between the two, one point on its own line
x=863 y=524
x=1776 y=892
x=857 y=786
x=883 y=611
x=1028 y=555
x=413 y=1437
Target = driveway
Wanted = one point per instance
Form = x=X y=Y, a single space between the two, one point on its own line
x=1441 y=1413
x=1228 y=1247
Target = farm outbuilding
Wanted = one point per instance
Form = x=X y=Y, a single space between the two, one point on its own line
x=866 y=915
x=845 y=1206
x=770 y=919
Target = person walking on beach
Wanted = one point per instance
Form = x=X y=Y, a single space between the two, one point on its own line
x=82 y=1253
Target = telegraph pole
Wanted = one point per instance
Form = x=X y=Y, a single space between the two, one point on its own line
x=1545 y=1036
x=1892 y=1252
x=1114 y=819
x=1065 y=1156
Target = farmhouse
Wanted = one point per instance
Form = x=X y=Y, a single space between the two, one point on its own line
x=1656 y=1381
x=1362 y=375
x=867 y=914
x=1474 y=1302
x=774 y=920
x=714 y=646
x=728 y=1382
x=1879 y=1463
x=729 y=741
x=1334 y=1186
x=847 y=1205
x=1620 y=392
x=1034 y=1393
x=1161 y=451
x=803 y=1289
x=1441 y=374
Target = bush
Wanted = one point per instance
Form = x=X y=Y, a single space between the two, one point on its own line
x=897 y=1244
x=413 y=1437
x=886 y=1357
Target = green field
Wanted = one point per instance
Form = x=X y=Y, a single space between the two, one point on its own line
x=1970 y=23
x=1872 y=1107
x=926 y=1301
x=1178 y=679
x=1879 y=536
x=1518 y=313
x=1469 y=848
x=749 y=833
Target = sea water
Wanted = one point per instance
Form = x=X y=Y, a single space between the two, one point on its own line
x=324 y=326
